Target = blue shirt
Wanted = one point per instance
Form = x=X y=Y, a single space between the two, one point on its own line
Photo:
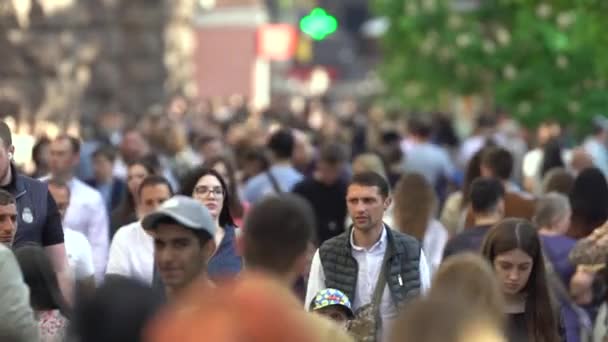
x=260 y=186
x=429 y=160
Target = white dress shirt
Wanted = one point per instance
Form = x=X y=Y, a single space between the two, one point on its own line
x=87 y=214
x=370 y=262
x=132 y=253
x=80 y=256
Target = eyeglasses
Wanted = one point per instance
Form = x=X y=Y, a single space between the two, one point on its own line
x=203 y=190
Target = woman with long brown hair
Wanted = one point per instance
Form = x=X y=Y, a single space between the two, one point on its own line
x=225 y=166
x=514 y=250
x=415 y=205
x=209 y=188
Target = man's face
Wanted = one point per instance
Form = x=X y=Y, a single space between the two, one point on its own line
x=133 y=146
x=63 y=158
x=8 y=223
x=211 y=149
x=152 y=196
x=366 y=206
x=178 y=254
x=61 y=196
x=103 y=168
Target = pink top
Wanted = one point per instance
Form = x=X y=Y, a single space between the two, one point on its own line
x=52 y=326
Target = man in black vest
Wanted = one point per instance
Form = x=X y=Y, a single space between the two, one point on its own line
x=38 y=220
x=352 y=262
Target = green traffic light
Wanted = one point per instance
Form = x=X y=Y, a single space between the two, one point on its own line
x=318 y=24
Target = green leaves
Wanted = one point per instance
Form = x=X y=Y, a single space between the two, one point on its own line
x=538 y=59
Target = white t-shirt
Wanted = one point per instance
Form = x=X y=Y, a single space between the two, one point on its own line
x=80 y=256
x=132 y=253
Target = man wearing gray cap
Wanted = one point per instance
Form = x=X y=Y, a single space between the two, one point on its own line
x=183 y=232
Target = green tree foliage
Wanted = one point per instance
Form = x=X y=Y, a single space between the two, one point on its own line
x=538 y=59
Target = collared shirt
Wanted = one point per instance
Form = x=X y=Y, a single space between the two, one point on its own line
x=88 y=215
x=132 y=253
x=370 y=262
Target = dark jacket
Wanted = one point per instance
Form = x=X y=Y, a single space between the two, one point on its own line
x=469 y=240
x=38 y=220
x=403 y=274
x=118 y=189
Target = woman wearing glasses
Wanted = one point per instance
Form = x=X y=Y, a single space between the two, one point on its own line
x=208 y=187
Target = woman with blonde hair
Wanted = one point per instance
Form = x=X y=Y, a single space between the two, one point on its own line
x=415 y=205
x=470 y=277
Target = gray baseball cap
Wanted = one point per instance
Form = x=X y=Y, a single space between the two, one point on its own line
x=185 y=211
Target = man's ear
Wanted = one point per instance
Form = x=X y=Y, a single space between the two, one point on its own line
x=387 y=202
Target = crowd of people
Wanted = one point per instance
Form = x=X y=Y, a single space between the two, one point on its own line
x=205 y=222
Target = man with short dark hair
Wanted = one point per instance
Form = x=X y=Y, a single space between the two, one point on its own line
x=183 y=231
x=111 y=188
x=282 y=176
x=8 y=218
x=87 y=212
x=275 y=243
x=326 y=190
x=369 y=254
x=488 y=207
x=497 y=162
x=277 y=234
x=38 y=219
x=78 y=249
x=132 y=249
